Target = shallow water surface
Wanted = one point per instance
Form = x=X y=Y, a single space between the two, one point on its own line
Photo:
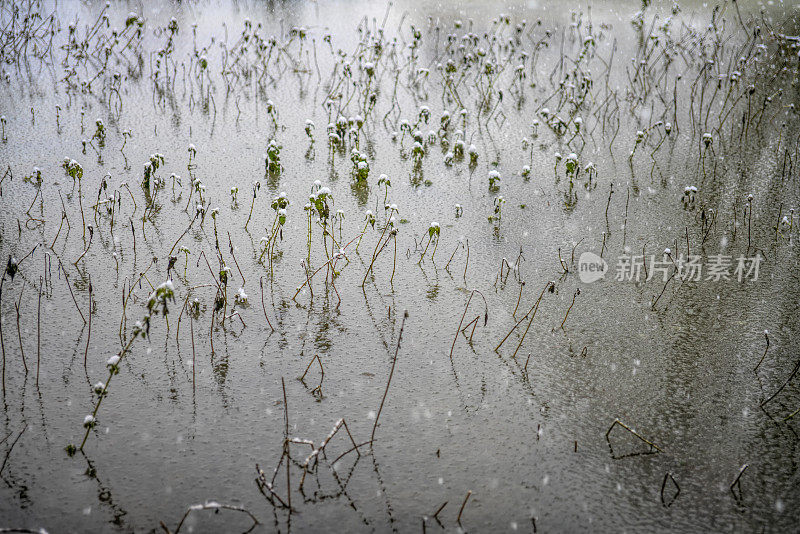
x=629 y=403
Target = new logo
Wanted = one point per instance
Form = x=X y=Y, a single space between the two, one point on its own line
x=591 y=267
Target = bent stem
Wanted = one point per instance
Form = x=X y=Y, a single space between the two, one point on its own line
x=102 y=395
x=486 y=317
x=532 y=313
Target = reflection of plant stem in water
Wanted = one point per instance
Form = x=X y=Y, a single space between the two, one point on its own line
x=391 y=373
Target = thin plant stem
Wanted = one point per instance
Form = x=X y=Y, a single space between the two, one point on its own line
x=391 y=373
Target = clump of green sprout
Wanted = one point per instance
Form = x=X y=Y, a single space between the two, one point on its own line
x=369 y=220
x=73 y=169
x=384 y=181
x=591 y=173
x=192 y=156
x=273 y=157
x=360 y=166
x=272 y=112
x=434 y=230
x=640 y=135
x=150 y=183
x=494 y=180
x=275 y=232
x=417 y=152
x=571 y=166
x=310 y=129
x=497 y=214
x=35 y=177
x=199 y=187
x=100 y=132
x=473 y=155
x=241 y=297
x=458 y=146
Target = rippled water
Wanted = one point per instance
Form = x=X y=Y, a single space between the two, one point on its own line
x=525 y=433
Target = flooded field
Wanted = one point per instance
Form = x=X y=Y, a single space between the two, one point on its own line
x=412 y=266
